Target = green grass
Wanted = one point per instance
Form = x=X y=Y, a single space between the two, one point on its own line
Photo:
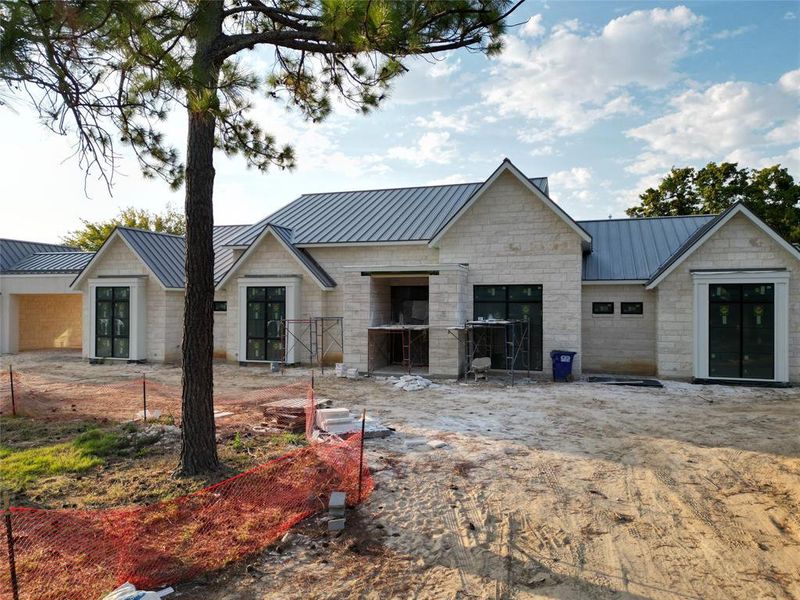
x=19 y=467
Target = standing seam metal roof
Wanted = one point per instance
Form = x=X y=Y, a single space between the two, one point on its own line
x=634 y=249
x=13 y=251
x=388 y=215
x=52 y=262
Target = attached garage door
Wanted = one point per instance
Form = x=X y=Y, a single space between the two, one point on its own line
x=49 y=321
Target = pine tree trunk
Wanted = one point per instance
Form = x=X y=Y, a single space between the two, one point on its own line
x=198 y=433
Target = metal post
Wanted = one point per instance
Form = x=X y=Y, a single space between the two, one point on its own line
x=12 y=565
x=144 y=396
x=361 y=457
x=13 y=399
x=312 y=379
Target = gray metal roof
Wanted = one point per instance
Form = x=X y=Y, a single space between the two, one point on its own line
x=303 y=256
x=389 y=215
x=52 y=262
x=162 y=252
x=13 y=251
x=635 y=249
x=223 y=255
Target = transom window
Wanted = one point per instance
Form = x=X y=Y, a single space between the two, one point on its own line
x=112 y=322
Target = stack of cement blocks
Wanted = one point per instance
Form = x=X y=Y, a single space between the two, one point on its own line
x=336 y=421
x=288 y=415
x=342 y=370
x=336 y=507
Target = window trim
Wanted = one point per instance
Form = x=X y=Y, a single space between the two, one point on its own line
x=292 y=300
x=137 y=316
x=780 y=279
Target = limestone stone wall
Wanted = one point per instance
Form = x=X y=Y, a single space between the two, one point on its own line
x=509 y=236
x=738 y=244
x=618 y=343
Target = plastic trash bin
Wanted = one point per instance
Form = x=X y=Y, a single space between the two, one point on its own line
x=562 y=364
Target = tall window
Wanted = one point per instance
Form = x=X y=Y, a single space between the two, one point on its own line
x=112 y=324
x=522 y=302
x=266 y=307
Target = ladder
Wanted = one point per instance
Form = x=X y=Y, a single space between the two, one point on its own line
x=405 y=340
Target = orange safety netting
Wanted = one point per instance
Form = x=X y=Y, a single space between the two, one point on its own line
x=41 y=396
x=65 y=554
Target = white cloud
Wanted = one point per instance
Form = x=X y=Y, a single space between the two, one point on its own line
x=575 y=190
x=726 y=34
x=726 y=120
x=533 y=28
x=444 y=66
x=546 y=150
x=433 y=147
x=438 y=120
x=790 y=16
x=572 y=80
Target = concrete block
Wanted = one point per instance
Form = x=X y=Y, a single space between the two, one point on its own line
x=335 y=524
x=436 y=444
x=337 y=500
x=414 y=442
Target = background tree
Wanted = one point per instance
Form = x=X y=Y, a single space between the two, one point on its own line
x=107 y=70
x=93 y=233
x=771 y=193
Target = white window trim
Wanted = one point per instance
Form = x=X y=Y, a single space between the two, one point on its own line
x=292 y=285
x=780 y=279
x=137 y=349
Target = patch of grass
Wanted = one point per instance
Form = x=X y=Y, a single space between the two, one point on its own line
x=18 y=468
x=101 y=443
x=289 y=439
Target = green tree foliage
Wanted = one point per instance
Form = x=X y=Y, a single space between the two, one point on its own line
x=93 y=233
x=771 y=193
x=110 y=71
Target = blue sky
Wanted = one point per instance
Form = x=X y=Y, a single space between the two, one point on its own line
x=602 y=97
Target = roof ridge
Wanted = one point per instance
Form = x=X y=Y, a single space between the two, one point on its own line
x=140 y=230
x=646 y=218
x=401 y=187
x=32 y=242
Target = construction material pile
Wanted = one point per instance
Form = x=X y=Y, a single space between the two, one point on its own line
x=289 y=414
x=411 y=383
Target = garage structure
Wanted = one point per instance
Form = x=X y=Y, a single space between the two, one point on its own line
x=38 y=310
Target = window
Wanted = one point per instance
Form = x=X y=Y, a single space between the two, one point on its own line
x=602 y=308
x=631 y=308
x=266 y=309
x=522 y=302
x=112 y=322
x=220 y=306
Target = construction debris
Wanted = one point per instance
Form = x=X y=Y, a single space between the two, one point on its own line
x=411 y=383
x=340 y=422
x=290 y=414
x=336 y=504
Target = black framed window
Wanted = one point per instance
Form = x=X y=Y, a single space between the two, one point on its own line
x=266 y=308
x=112 y=322
x=741 y=331
x=602 y=308
x=631 y=308
x=512 y=302
x=220 y=306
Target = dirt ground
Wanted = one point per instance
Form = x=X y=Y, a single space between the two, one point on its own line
x=543 y=490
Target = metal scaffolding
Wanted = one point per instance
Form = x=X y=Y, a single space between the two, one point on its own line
x=314 y=337
x=377 y=347
x=480 y=338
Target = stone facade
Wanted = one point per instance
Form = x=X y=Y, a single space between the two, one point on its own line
x=619 y=343
x=510 y=237
x=738 y=244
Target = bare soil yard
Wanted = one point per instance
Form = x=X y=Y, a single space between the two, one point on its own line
x=544 y=490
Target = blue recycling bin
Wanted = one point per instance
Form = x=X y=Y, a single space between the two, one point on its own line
x=562 y=364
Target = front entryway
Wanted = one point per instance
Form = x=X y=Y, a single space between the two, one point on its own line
x=266 y=309
x=741 y=334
